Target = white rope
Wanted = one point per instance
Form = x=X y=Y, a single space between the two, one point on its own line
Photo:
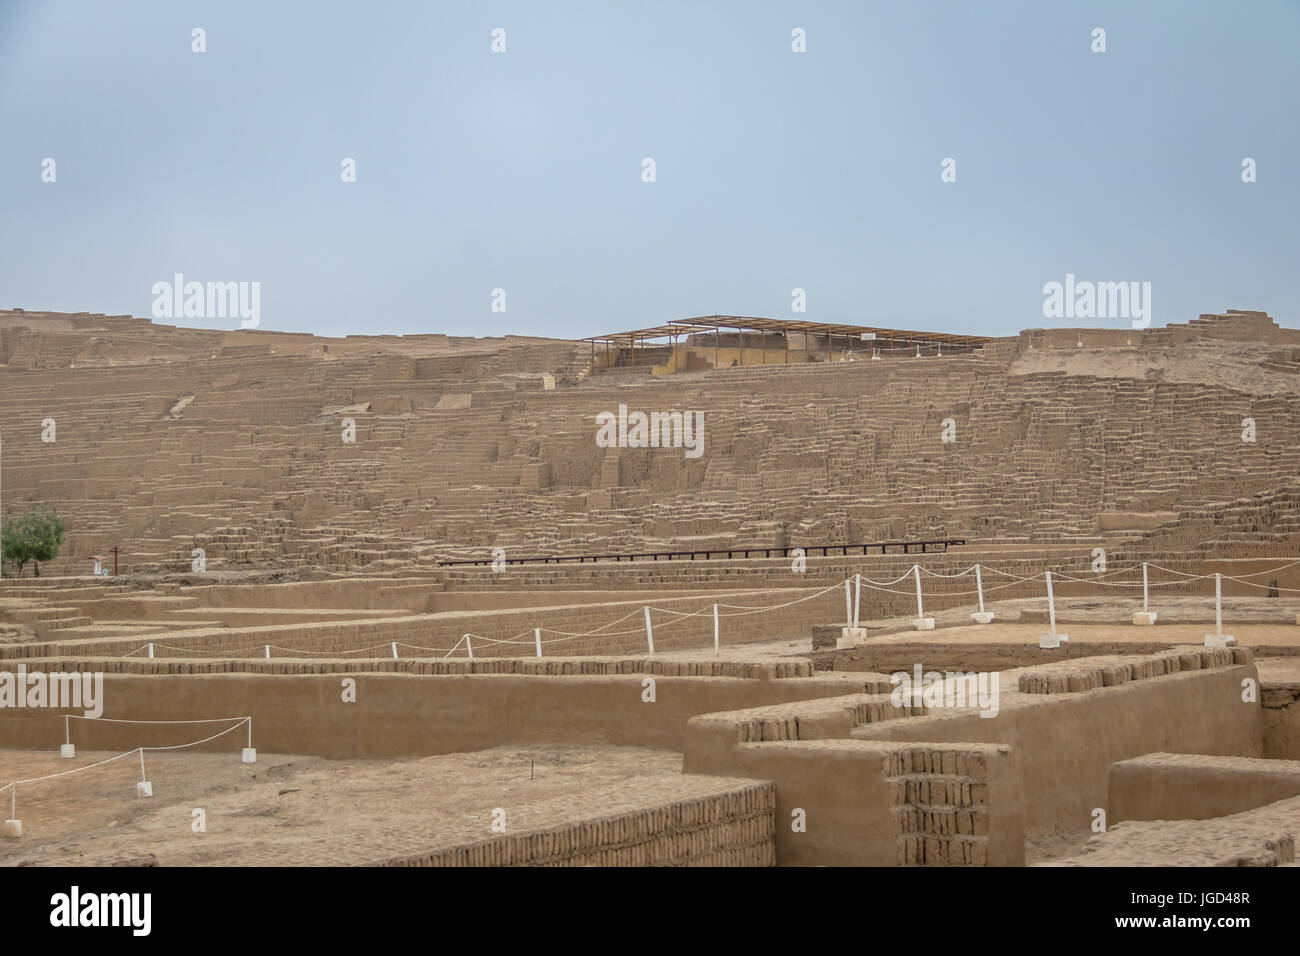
x=204 y=740
x=137 y=750
x=64 y=773
x=122 y=720
x=737 y=610
x=936 y=574
x=1252 y=584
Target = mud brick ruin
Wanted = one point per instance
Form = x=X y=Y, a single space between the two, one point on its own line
x=278 y=516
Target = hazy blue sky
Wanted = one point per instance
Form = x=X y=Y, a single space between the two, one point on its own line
x=775 y=170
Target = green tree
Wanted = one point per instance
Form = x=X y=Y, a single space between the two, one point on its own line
x=33 y=536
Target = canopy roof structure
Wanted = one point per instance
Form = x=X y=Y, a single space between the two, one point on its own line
x=742 y=323
x=640 y=336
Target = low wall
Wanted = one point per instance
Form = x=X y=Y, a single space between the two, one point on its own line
x=847 y=802
x=1163 y=786
x=407 y=715
x=1065 y=743
x=887 y=658
x=863 y=803
x=410 y=594
x=728 y=828
x=497 y=600
x=440 y=633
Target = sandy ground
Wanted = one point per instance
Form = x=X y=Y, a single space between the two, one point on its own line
x=764 y=651
x=303 y=811
x=1062 y=846
x=1249 y=835
x=295 y=811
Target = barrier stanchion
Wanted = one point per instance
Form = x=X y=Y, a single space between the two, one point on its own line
x=537 y=640
x=469 y=646
x=144 y=788
x=1218 y=603
x=1218 y=638
x=1146 y=616
x=981 y=616
x=922 y=623
x=857 y=598
x=850 y=633
x=151 y=649
x=67 y=750
x=266 y=648
x=649 y=632
x=13 y=827
x=715 y=630
x=394 y=650
x=1051 y=640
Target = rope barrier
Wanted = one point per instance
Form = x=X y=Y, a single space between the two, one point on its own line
x=854 y=582
x=144 y=787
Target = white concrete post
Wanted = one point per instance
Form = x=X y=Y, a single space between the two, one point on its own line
x=1051 y=603
x=67 y=750
x=1218 y=603
x=1052 y=640
x=981 y=616
x=1218 y=638
x=857 y=597
x=1146 y=616
x=922 y=623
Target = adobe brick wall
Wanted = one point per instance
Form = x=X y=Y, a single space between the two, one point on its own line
x=730 y=826
x=867 y=803
x=1163 y=786
x=1281 y=705
x=405 y=714
x=1065 y=743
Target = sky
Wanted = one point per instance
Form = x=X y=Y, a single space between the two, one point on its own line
x=774 y=170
